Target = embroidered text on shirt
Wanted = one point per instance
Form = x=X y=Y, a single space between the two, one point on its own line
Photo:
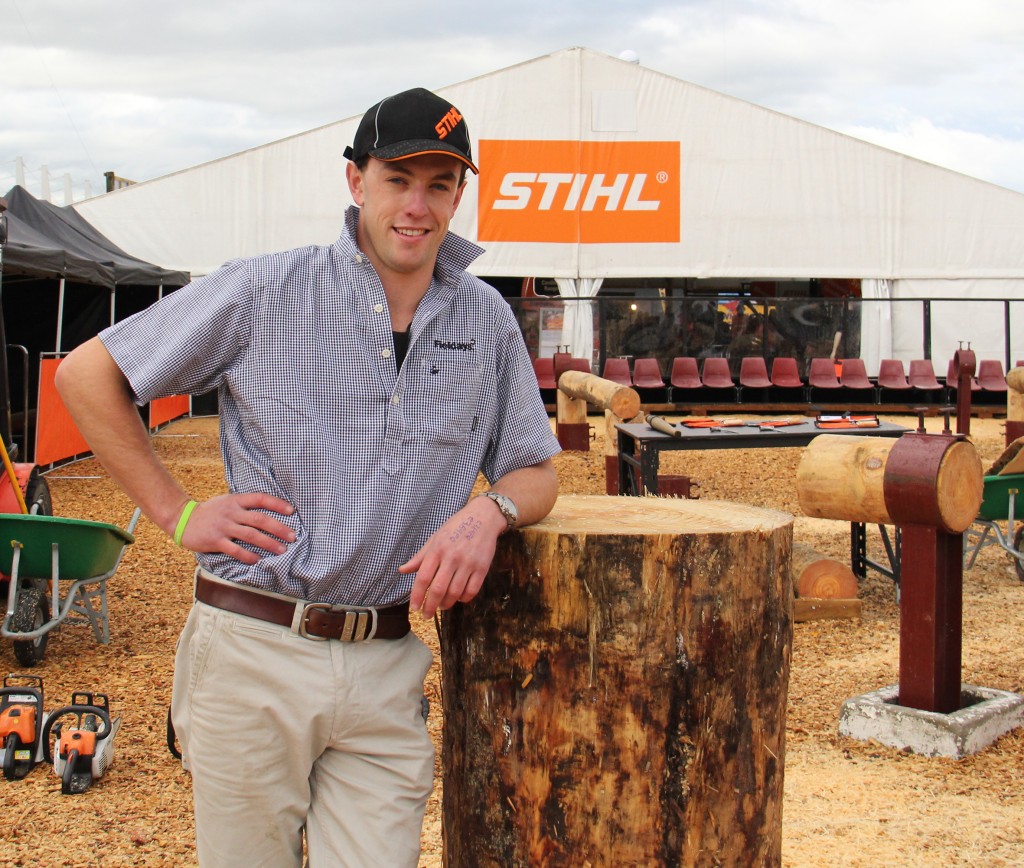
x=454 y=345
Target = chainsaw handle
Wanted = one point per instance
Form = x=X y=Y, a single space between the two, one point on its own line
x=81 y=711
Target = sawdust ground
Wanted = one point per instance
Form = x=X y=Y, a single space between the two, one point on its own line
x=846 y=802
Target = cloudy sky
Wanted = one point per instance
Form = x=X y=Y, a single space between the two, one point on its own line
x=145 y=88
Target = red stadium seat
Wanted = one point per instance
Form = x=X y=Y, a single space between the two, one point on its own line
x=754 y=373
x=716 y=375
x=647 y=374
x=990 y=375
x=854 y=375
x=891 y=378
x=786 y=374
x=822 y=374
x=922 y=375
x=685 y=374
x=545 y=371
x=617 y=370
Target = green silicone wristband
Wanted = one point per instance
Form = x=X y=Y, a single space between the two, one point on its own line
x=186 y=514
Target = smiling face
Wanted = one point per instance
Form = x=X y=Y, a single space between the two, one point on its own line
x=405 y=208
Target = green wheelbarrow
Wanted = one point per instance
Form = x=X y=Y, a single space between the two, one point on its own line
x=1002 y=503
x=40 y=555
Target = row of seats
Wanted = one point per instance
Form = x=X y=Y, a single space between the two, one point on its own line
x=689 y=379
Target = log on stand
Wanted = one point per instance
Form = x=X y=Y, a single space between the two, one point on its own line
x=616 y=694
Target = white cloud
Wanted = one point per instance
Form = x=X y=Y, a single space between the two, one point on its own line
x=145 y=89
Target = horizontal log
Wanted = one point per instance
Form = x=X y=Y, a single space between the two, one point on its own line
x=841 y=477
x=623 y=401
x=916 y=479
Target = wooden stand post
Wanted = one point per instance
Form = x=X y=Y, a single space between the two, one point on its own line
x=616 y=694
x=571 y=426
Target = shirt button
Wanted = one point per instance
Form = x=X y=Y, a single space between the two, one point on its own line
x=358 y=259
x=379 y=308
x=386 y=354
x=394 y=399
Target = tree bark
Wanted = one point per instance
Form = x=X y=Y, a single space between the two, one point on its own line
x=616 y=694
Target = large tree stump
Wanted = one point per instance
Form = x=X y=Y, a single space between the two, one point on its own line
x=616 y=694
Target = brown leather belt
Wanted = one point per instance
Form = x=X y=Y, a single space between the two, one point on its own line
x=317 y=621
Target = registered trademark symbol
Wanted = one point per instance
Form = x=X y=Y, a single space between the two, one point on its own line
x=662 y=177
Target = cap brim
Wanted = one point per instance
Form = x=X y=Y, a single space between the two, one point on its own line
x=404 y=150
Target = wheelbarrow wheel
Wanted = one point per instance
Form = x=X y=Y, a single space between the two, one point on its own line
x=1018 y=541
x=37 y=494
x=30 y=613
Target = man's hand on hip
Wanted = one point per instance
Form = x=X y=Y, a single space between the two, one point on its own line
x=220 y=524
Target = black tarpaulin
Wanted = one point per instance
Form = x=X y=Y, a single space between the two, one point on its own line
x=45 y=240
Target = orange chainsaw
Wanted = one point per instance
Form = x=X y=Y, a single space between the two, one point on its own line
x=83 y=740
x=21 y=724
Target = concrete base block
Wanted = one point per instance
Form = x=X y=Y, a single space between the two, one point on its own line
x=986 y=715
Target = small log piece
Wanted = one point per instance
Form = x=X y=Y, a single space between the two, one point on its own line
x=623 y=401
x=616 y=694
x=815 y=575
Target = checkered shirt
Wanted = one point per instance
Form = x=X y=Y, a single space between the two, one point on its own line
x=312 y=410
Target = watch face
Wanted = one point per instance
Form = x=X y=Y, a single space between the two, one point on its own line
x=507 y=507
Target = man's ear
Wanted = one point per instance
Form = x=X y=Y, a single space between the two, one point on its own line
x=355 y=183
x=458 y=196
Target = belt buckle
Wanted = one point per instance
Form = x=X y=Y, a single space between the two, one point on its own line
x=359 y=626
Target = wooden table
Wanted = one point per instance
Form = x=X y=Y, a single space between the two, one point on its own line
x=640 y=446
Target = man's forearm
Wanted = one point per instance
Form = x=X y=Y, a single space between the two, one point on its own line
x=99 y=400
x=532 y=489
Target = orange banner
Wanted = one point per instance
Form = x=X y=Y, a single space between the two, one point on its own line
x=579 y=192
x=164 y=409
x=57 y=437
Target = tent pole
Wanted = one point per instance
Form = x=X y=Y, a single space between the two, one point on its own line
x=60 y=313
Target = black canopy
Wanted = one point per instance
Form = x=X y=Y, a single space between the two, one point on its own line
x=45 y=240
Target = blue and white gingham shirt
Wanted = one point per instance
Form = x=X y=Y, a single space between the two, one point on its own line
x=312 y=410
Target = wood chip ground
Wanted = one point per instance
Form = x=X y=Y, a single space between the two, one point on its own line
x=846 y=802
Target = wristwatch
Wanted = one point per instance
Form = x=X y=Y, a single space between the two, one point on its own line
x=507 y=507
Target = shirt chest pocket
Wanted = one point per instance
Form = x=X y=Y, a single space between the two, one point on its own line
x=443 y=400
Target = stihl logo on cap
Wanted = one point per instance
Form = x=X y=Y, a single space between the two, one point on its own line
x=579 y=192
x=448 y=123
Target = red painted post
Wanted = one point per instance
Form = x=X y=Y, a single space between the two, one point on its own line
x=931 y=614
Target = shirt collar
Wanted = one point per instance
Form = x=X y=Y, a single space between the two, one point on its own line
x=453 y=256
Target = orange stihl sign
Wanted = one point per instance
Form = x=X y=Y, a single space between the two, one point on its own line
x=579 y=192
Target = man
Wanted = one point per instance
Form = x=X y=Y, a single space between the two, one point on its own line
x=362 y=387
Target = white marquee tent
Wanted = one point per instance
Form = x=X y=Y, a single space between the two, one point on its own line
x=594 y=167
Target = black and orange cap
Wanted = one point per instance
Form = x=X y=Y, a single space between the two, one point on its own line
x=411 y=123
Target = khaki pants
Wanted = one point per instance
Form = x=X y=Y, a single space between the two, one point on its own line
x=283 y=734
